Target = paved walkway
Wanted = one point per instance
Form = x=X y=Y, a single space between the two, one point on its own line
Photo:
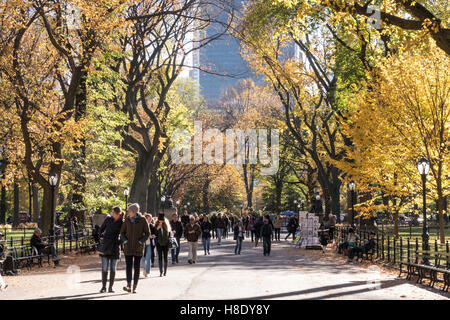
x=288 y=273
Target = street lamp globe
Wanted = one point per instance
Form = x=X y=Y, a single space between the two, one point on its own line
x=317 y=197
x=53 y=180
x=126 y=192
x=178 y=202
x=423 y=165
x=352 y=185
x=295 y=201
x=163 y=199
x=188 y=204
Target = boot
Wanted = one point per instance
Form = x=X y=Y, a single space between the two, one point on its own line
x=134 y=288
x=127 y=288
x=160 y=270
x=104 y=279
x=111 y=282
x=165 y=269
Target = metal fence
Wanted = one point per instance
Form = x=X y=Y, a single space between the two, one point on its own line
x=391 y=249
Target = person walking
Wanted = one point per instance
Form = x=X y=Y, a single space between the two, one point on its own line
x=177 y=229
x=258 y=225
x=227 y=226
x=193 y=232
x=239 y=234
x=277 y=221
x=291 y=228
x=266 y=235
x=213 y=223
x=220 y=224
x=206 y=227
x=152 y=228
x=331 y=225
x=163 y=230
x=109 y=238
x=185 y=220
x=245 y=225
x=134 y=233
x=251 y=226
x=147 y=258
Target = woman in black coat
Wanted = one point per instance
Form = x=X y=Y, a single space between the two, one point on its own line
x=110 y=254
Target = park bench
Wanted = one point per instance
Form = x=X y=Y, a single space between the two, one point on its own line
x=428 y=271
x=88 y=245
x=26 y=256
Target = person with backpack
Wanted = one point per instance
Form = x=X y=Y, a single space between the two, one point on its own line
x=134 y=233
x=239 y=235
x=206 y=227
x=266 y=235
x=110 y=247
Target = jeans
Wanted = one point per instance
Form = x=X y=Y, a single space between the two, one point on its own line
x=237 y=249
x=137 y=266
x=163 y=253
x=206 y=244
x=192 y=250
x=176 y=252
x=146 y=259
x=266 y=245
x=277 y=234
x=253 y=234
x=50 y=250
x=219 y=235
x=343 y=245
x=108 y=263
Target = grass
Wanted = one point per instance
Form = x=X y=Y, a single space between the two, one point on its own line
x=416 y=232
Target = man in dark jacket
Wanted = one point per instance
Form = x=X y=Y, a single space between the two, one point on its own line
x=43 y=247
x=266 y=234
x=192 y=232
x=291 y=228
x=177 y=228
x=213 y=223
x=258 y=225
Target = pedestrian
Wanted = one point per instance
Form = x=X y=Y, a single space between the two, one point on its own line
x=220 y=224
x=266 y=234
x=324 y=237
x=44 y=247
x=213 y=223
x=270 y=222
x=258 y=225
x=291 y=228
x=110 y=247
x=152 y=240
x=134 y=233
x=147 y=258
x=277 y=221
x=251 y=226
x=2 y=246
x=177 y=229
x=206 y=227
x=239 y=233
x=245 y=225
x=193 y=232
x=185 y=220
x=331 y=225
x=163 y=230
x=227 y=226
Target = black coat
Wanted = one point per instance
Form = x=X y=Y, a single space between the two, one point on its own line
x=258 y=225
x=236 y=232
x=220 y=223
x=177 y=227
x=266 y=230
x=37 y=243
x=206 y=229
x=185 y=220
x=110 y=231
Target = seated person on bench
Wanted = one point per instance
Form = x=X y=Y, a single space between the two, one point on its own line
x=43 y=247
x=369 y=245
x=352 y=237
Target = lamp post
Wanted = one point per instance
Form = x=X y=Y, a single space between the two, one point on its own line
x=317 y=203
x=53 y=181
x=163 y=202
x=177 y=203
x=423 y=166
x=303 y=205
x=295 y=204
x=126 y=192
x=352 y=187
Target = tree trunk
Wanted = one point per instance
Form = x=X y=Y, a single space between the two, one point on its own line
x=139 y=188
x=3 y=206
x=36 y=209
x=278 y=192
x=46 y=210
x=441 y=211
x=206 y=196
x=16 y=205
x=153 y=196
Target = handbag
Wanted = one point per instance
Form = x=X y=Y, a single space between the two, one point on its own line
x=173 y=244
x=101 y=249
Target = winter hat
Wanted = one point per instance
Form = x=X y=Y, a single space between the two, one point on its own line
x=134 y=207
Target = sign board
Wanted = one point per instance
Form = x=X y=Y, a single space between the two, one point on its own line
x=309 y=226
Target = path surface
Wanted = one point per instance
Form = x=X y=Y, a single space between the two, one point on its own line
x=288 y=273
